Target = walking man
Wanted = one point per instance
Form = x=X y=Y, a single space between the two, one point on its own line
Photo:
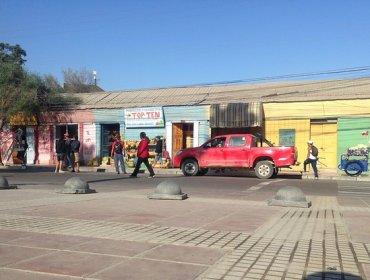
x=312 y=153
x=142 y=156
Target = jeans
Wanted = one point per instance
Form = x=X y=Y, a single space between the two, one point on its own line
x=158 y=157
x=68 y=159
x=146 y=162
x=119 y=158
x=313 y=163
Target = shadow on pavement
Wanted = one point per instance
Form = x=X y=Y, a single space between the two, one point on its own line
x=332 y=275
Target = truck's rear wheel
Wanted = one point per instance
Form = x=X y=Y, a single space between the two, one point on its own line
x=190 y=167
x=264 y=169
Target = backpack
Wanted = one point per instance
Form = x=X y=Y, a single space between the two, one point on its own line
x=315 y=151
x=118 y=148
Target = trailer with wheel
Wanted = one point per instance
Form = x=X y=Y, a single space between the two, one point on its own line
x=355 y=161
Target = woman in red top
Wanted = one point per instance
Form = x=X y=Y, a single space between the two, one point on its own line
x=142 y=156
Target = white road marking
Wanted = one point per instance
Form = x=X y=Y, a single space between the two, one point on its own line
x=260 y=185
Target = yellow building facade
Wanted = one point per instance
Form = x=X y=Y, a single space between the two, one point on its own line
x=315 y=120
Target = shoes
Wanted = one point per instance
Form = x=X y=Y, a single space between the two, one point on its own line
x=316 y=178
x=133 y=176
x=151 y=176
x=117 y=172
x=72 y=171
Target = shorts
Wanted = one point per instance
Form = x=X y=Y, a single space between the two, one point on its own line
x=60 y=157
x=76 y=157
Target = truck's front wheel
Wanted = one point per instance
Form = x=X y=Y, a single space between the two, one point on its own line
x=264 y=169
x=190 y=167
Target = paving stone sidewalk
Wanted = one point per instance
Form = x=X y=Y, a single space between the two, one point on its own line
x=123 y=235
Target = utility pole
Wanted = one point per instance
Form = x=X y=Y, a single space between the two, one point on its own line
x=94 y=75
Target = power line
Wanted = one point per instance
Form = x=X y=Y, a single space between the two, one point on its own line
x=288 y=76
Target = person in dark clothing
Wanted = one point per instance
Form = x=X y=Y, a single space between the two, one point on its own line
x=142 y=156
x=60 y=150
x=68 y=154
x=158 y=151
x=22 y=146
x=312 y=158
x=75 y=150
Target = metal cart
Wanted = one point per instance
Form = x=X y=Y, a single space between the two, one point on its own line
x=355 y=161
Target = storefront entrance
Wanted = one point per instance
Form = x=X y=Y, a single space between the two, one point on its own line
x=324 y=137
x=108 y=132
x=182 y=136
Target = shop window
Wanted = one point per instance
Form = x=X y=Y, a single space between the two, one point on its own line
x=60 y=130
x=286 y=137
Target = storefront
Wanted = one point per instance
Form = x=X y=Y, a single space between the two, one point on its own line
x=231 y=118
x=319 y=121
x=53 y=126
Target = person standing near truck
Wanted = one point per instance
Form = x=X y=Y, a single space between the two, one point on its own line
x=312 y=157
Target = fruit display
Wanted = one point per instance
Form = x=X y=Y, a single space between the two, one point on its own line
x=131 y=150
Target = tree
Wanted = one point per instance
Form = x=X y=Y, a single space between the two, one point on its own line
x=78 y=81
x=26 y=93
x=12 y=54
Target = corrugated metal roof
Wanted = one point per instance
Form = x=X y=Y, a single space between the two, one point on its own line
x=207 y=95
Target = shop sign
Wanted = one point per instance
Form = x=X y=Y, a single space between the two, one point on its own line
x=144 y=117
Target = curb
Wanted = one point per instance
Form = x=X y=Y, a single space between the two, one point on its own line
x=324 y=175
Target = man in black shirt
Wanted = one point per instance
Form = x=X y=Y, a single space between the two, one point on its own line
x=60 y=150
x=158 y=151
x=75 y=149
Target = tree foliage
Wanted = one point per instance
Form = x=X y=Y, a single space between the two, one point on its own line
x=12 y=54
x=26 y=93
x=78 y=81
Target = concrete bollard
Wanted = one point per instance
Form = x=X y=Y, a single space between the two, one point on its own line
x=290 y=196
x=75 y=185
x=168 y=190
x=4 y=185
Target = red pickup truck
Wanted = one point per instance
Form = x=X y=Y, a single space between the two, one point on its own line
x=235 y=151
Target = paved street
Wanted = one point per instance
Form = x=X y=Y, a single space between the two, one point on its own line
x=224 y=230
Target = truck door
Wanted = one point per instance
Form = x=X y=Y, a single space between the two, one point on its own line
x=237 y=151
x=212 y=154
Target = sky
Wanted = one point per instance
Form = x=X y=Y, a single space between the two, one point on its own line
x=149 y=44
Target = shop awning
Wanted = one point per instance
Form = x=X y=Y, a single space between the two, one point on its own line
x=236 y=115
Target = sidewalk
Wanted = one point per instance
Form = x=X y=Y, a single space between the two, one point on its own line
x=124 y=235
